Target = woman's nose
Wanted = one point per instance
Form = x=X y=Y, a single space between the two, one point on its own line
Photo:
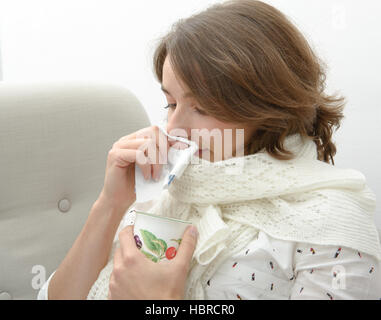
x=179 y=118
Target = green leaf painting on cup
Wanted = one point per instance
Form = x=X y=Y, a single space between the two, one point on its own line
x=155 y=245
x=149 y=256
x=158 y=247
x=148 y=238
x=162 y=244
x=177 y=240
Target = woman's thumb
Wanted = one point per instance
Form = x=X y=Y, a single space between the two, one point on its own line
x=188 y=244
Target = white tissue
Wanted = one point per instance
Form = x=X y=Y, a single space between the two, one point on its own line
x=178 y=160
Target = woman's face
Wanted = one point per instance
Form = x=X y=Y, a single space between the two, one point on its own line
x=186 y=119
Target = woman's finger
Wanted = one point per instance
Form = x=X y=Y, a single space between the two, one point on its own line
x=147 y=155
x=156 y=166
x=187 y=246
x=124 y=157
x=144 y=145
x=160 y=139
x=151 y=151
x=129 y=250
x=123 y=143
x=153 y=133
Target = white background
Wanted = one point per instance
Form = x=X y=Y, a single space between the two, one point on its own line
x=113 y=41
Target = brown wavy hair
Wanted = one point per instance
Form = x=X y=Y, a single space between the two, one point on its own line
x=245 y=62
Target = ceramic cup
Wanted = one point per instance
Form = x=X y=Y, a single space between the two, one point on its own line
x=157 y=237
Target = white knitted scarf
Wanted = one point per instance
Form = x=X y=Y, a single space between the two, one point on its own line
x=303 y=200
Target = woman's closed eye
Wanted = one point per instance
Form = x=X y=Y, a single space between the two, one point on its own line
x=173 y=105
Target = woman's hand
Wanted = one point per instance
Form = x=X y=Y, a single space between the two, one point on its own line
x=136 y=277
x=141 y=147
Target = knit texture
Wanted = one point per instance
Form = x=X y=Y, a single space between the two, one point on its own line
x=302 y=200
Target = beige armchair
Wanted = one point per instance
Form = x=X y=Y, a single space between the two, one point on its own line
x=54 y=141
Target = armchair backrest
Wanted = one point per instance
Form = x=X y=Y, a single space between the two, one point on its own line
x=54 y=142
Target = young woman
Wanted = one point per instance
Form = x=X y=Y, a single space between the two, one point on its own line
x=280 y=221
